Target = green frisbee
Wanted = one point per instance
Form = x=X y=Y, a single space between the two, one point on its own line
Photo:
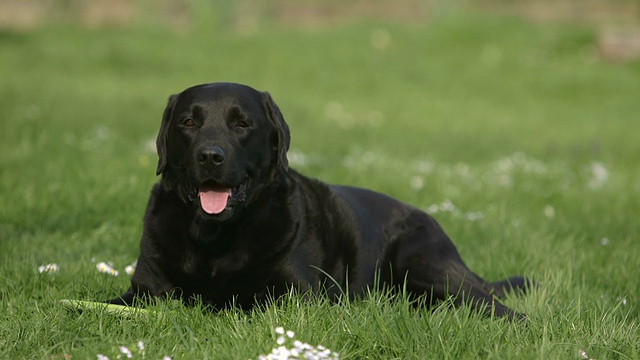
x=82 y=305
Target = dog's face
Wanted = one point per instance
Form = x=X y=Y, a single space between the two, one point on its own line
x=219 y=144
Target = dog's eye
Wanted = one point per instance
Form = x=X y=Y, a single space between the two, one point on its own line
x=242 y=124
x=188 y=123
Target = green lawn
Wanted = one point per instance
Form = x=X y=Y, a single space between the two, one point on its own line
x=514 y=135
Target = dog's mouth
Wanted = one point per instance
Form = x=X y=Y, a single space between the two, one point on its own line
x=215 y=198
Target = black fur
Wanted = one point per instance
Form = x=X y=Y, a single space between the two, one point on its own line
x=280 y=230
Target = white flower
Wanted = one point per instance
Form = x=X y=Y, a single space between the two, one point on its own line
x=131 y=268
x=102 y=357
x=50 y=268
x=416 y=182
x=433 y=208
x=583 y=354
x=297 y=158
x=549 y=211
x=299 y=350
x=622 y=300
x=106 y=269
x=473 y=216
x=447 y=205
x=125 y=350
x=599 y=175
x=140 y=346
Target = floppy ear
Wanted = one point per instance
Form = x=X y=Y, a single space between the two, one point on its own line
x=282 y=129
x=161 y=141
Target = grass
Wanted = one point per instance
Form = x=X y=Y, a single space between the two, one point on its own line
x=518 y=138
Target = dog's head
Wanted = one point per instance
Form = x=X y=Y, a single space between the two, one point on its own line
x=219 y=144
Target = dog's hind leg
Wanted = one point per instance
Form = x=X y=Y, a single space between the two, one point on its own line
x=462 y=286
x=472 y=290
x=429 y=265
x=512 y=284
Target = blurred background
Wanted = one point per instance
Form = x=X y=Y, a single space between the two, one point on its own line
x=247 y=15
x=618 y=21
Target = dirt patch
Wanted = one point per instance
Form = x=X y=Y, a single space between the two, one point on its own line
x=619 y=44
x=590 y=11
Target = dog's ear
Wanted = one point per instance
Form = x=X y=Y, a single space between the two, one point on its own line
x=161 y=141
x=282 y=129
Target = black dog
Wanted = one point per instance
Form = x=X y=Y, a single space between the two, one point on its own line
x=230 y=222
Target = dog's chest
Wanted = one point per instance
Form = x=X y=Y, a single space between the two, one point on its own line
x=209 y=265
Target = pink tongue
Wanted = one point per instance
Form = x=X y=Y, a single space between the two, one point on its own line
x=214 y=202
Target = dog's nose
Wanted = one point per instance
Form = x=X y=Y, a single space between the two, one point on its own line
x=211 y=155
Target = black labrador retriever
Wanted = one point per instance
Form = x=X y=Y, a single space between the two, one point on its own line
x=230 y=222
